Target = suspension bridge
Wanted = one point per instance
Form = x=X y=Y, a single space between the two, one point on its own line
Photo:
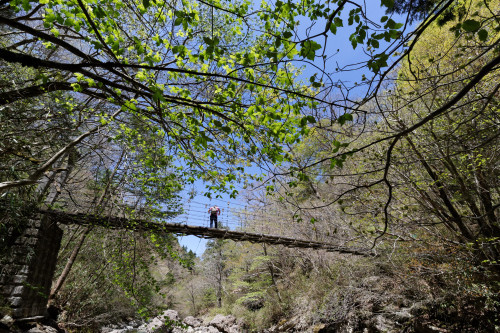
x=179 y=229
x=26 y=275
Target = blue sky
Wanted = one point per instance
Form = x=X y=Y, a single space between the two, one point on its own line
x=197 y=207
x=197 y=214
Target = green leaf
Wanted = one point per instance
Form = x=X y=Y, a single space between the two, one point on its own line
x=483 y=35
x=345 y=117
x=471 y=25
x=26 y=5
x=388 y=3
x=55 y=32
x=353 y=39
x=208 y=40
x=50 y=17
x=309 y=49
x=99 y=12
x=311 y=119
x=76 y=87
x=69 y=22
x=391 y=24
x=378 y=61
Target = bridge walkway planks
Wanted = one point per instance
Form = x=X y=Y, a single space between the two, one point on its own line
x=203 y=232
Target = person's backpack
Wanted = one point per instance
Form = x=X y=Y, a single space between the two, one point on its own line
x=213 y=210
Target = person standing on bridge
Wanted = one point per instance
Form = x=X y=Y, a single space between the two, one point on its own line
x=214 y=212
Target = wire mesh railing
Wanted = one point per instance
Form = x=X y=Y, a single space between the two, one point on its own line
x=233 y=216
x=199 y=231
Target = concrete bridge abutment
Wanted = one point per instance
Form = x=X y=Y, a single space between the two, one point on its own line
x=28 y=267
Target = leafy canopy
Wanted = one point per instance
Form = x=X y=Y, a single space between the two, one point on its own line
x=218 y=80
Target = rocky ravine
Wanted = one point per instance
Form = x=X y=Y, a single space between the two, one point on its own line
x=170 y=322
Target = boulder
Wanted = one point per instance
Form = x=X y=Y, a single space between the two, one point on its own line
x=192 y=321
x=403 y=315
x=382 y=324
x=181 y=330
x=234 y=329
x=223 y=323
x=209 y=329
x=157 y=324
x=42 y=329
x=6 y=324
x=7 y=320
x=151 y=326
x=170 y=314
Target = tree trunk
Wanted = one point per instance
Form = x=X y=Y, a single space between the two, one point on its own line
x=76 y=250
x=69 y=264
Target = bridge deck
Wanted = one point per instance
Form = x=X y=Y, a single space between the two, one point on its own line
x=203 y=232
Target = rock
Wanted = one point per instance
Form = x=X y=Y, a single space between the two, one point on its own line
x=160 y=323
x=427 y=327
x=403 y=315
x=170 y=314
x=209 y=329
x=135 y=323
x=318 y=328
x=181 y=330
x=419 y=308
x=192 y=321
x=43 y=329
x=381 y=324
x=6 y=324
x=223 y=323
x=7 y=320
x=35 y=330
x=151 y=326
x=234 y=329
x=371 y=281
x=219 y=324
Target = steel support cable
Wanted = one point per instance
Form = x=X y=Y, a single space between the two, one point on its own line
x=176 y=228
x=232 y=210
x=245 y=214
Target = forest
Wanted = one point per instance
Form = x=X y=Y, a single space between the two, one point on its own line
x=363 y=124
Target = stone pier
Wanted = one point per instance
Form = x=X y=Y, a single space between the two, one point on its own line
x=27 y=268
